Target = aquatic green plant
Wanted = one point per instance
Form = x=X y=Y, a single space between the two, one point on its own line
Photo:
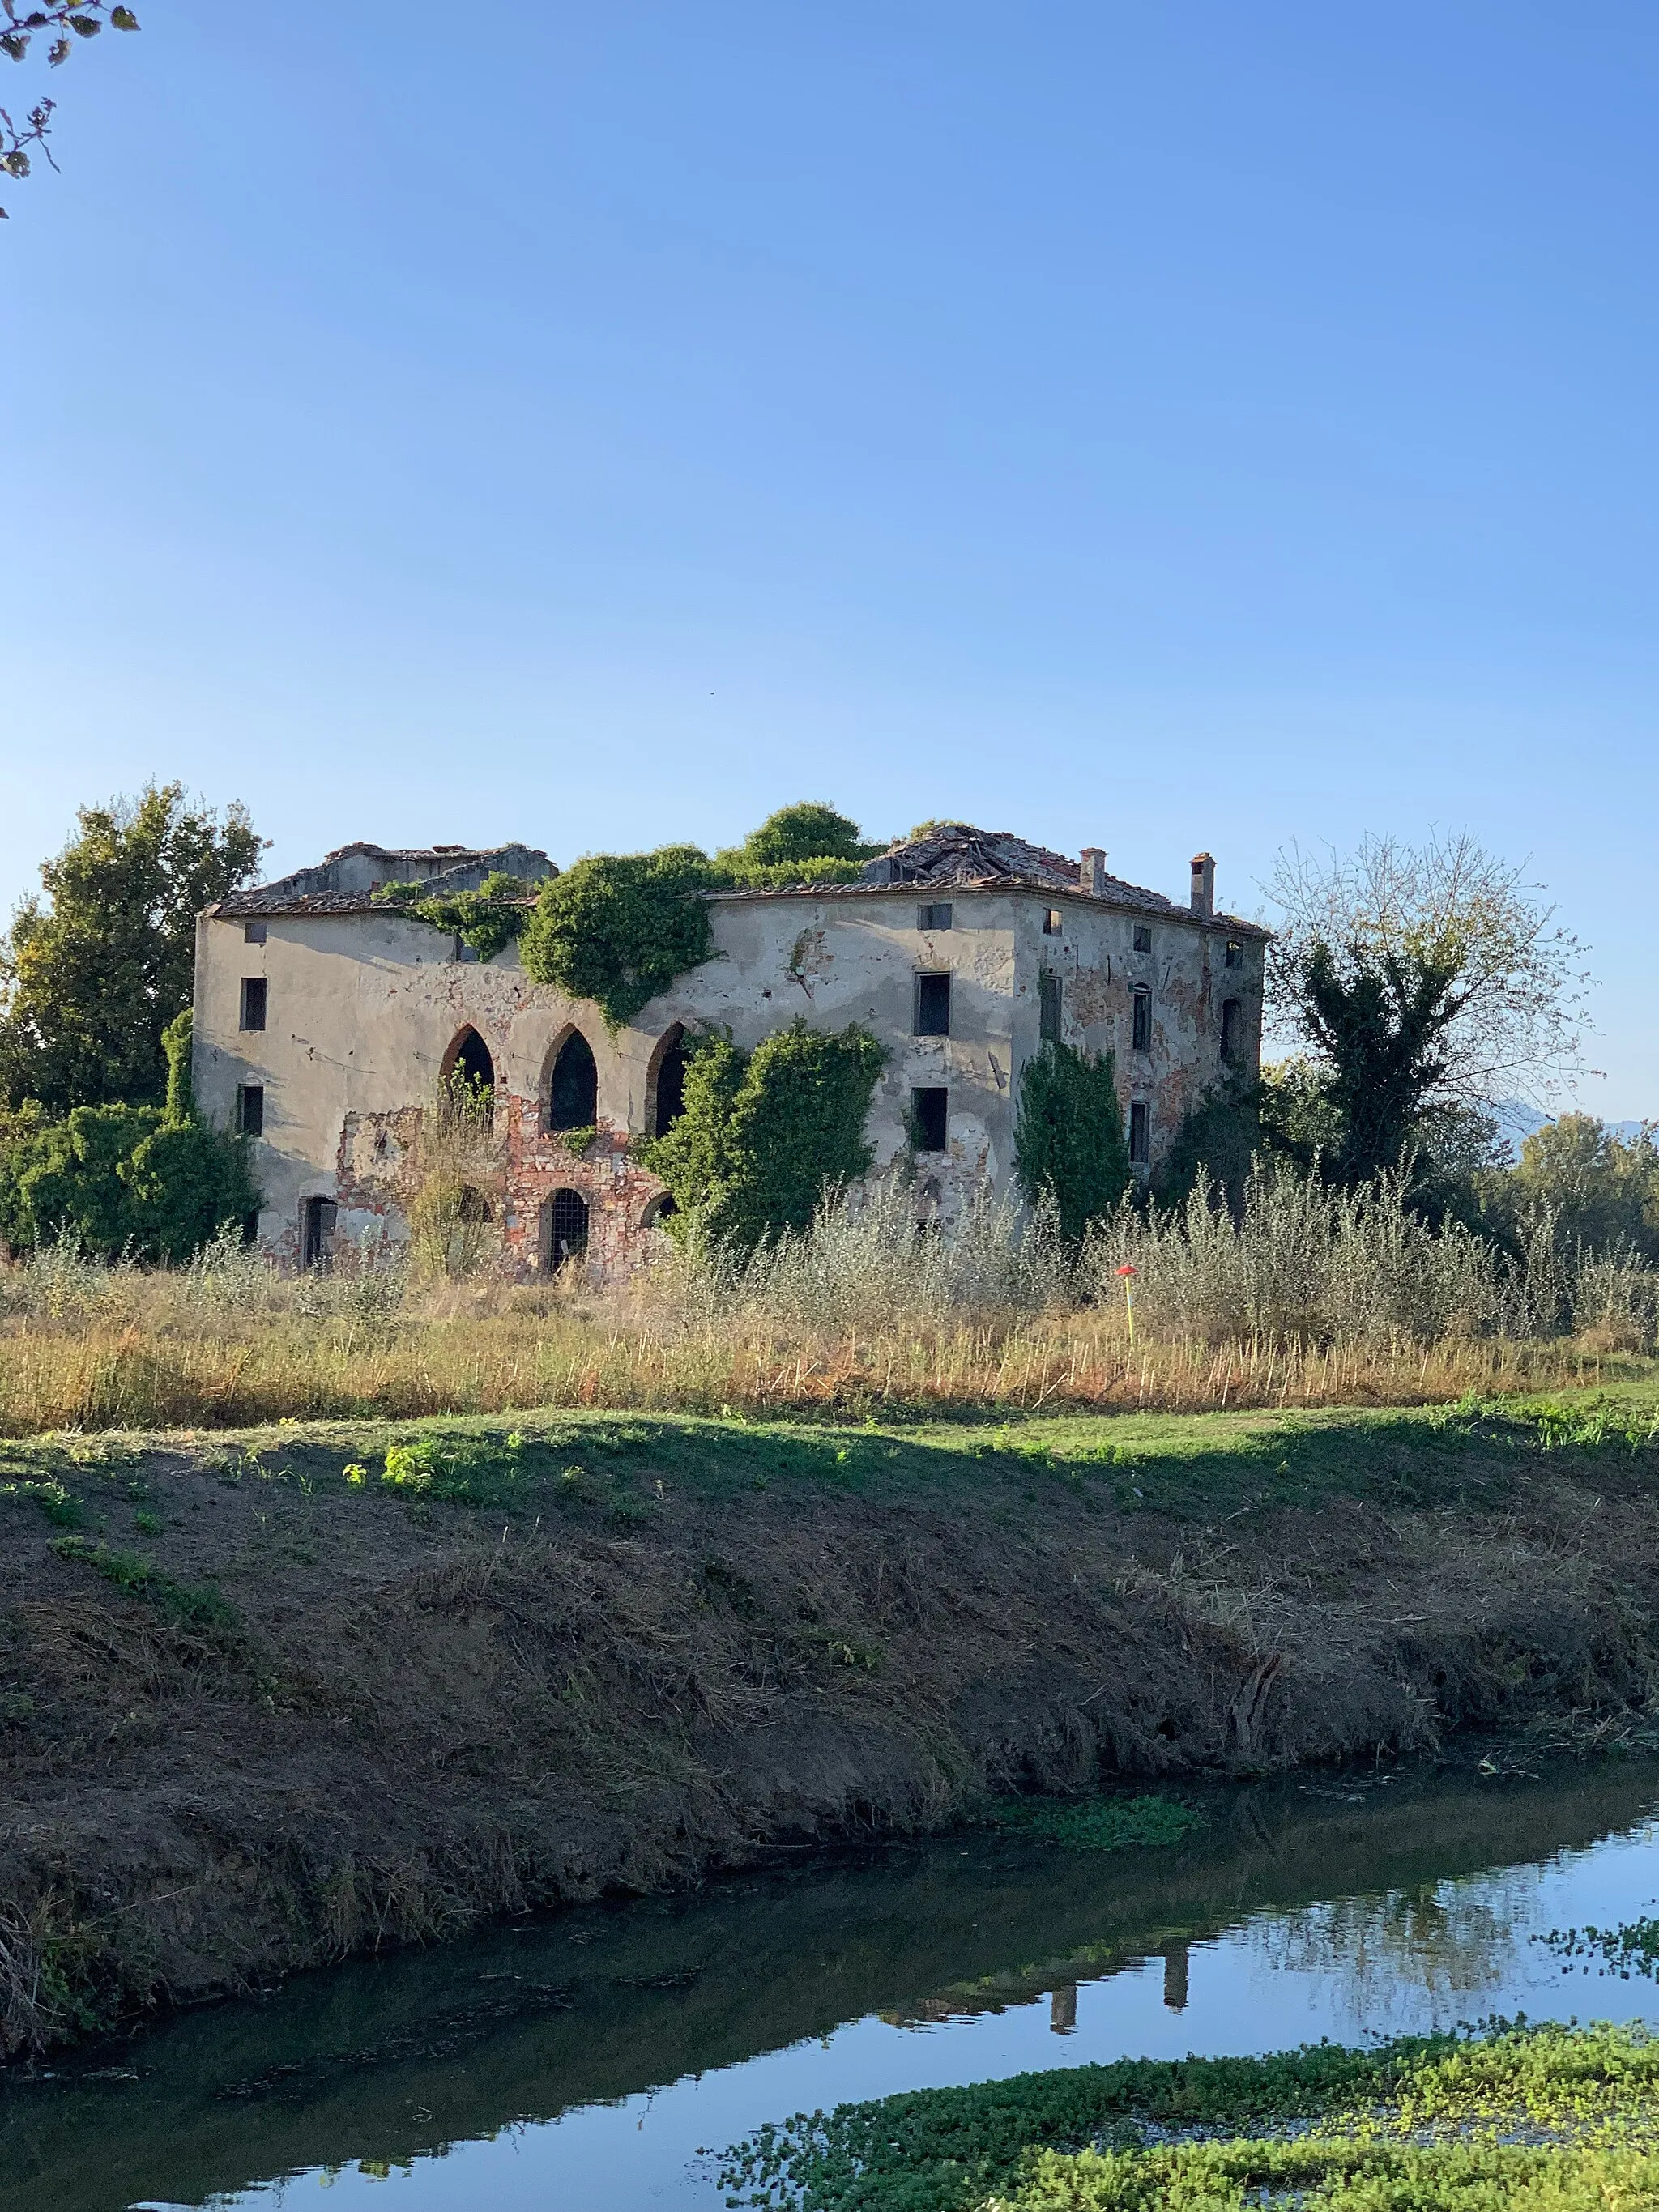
x=1423 y=2123
x=1632 y=1948
x=1096 y=1824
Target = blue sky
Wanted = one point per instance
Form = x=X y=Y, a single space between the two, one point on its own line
x=1150 y=427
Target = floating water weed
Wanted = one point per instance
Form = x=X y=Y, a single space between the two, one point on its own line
x=1421 y=2124
x=1097 y=1824
x=1632 y=1948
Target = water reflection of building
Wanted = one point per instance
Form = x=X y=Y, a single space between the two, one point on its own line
x=1175 y=1977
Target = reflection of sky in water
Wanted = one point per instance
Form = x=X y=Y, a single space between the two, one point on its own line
x=1351 y=1968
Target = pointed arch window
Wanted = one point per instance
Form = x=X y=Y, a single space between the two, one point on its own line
x=572 y=1089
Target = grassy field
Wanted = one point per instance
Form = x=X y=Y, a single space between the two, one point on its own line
x=147 y=1354
x=1549 y=2119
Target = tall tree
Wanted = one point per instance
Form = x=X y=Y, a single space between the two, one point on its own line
x=88 y=984
x=1601 y=1188
x=1424 y=980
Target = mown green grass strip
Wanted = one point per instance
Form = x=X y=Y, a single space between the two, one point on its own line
x=1188 y=1466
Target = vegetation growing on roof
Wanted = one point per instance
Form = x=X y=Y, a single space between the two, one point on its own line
x=808 y=832
x=487 y=919
x=618 y=928
x=764 y=1132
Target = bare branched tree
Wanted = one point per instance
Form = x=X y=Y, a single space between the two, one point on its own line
x=59 y=23
x=1423 y=977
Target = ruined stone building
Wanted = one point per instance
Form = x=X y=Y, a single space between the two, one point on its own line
x=324 y=1022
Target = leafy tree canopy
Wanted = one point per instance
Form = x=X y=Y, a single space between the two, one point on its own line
x=88 y=984
x=763 y=1134
x=122 y=1179
x=1602 y=1189
x=810 y=830
x=1421 y=979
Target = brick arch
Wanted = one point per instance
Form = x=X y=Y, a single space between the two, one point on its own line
x=563 y=1229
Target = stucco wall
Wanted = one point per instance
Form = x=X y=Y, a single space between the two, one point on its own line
x=362 y=1008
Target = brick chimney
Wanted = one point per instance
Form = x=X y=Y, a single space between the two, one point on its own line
x=1203 y=885
x=1091 y=872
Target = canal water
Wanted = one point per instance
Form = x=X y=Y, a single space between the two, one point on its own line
x=596 y=2057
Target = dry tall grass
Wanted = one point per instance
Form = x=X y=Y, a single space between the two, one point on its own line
x=1309 y=1300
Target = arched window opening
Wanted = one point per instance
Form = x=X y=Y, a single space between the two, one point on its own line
x=668 y=1082
x=469 y=1070
x=662 y=1208
x=564 y=1229
x=473 y=1208
x=1232 y=1015
x=573 y=1091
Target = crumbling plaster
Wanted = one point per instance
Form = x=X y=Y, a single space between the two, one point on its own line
x=363 y=1007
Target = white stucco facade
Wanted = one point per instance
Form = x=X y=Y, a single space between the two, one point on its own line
x=363 y=1012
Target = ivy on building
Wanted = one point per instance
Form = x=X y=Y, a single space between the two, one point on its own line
x=763 y=1133
x=487 y=919
x=1069 y=1144
x=619 y=928
x=1218 y=1142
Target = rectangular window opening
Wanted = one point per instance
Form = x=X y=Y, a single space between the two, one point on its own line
x=1235 y=953
x=1048 y=1006
x=317 y=1217
x=250 y=1109
x=1232 y=1015
x=253 y=933
x=930 y=1119
x=932 y=1005
x=253 y=1002
x=1053 y=922
x=1140 y=1134
x=1143 y=940
x=1142 y=1036
x=937 y=916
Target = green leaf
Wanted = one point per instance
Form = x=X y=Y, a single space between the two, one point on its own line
x=124 y=19
x=84 y=26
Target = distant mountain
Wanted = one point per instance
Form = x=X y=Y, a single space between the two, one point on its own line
x=1517 y=1121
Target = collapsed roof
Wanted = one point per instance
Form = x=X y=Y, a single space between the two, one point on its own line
x=346 y=880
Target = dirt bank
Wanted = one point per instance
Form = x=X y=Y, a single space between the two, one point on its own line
x=263 y=1706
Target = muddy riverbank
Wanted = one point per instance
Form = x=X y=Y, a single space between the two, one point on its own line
x=272 y=1700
